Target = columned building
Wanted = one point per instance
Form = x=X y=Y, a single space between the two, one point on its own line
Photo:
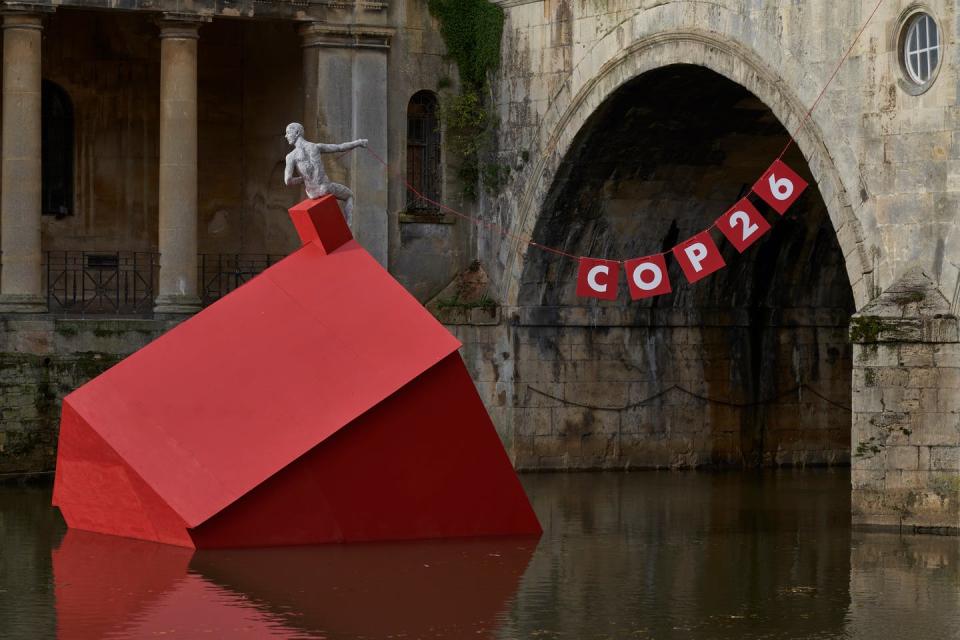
x=142 y=149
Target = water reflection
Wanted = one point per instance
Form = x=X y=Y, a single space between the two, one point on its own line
x=113 y=587
x=640 y=555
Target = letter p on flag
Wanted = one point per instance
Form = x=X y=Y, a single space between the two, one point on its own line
x=598 y=278
x=698 y=256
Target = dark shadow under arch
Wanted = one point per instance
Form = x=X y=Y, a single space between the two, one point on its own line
x=658 y=161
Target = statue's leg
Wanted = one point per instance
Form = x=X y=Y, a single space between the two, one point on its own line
x=343 y=193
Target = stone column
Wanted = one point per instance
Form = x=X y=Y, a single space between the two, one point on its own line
x=906 y=410
x=345 y=98
x=178 y=165
x=21 y=280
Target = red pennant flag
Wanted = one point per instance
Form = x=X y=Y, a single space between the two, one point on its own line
x=779 y=186
x=647 y=277
x=598 y=279
x=743 y=225
x=698 y=256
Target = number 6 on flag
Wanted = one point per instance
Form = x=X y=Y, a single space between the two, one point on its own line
x=779 y=186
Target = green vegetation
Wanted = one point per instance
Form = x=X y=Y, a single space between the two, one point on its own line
x=909 y=297
x=865 y=329
x=471 y=30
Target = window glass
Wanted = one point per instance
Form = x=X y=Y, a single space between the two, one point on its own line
x=921 y=49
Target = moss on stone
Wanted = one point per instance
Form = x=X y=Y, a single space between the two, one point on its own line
x=66 y=331
x=865 y=329
x=909 y=297
x=471 y=30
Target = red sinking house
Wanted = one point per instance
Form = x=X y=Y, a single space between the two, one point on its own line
x=319 y=402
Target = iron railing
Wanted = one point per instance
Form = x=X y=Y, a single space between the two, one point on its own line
x=87 y=282
x=126 y=282
x=221 y=273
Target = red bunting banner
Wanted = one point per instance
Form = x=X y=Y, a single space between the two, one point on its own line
x=598 y=279
x=742 y=225
x=779 y=187
x=699 y=257
x=647 y=277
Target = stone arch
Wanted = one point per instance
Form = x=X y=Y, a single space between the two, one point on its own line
x=594 y=80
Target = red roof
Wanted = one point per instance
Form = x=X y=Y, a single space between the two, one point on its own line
x=311 y=344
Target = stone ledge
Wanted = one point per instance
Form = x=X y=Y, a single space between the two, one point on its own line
x=409 y=217
x=912 y=309
x=624 y=316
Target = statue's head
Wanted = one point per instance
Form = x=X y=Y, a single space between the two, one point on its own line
x=294 y=132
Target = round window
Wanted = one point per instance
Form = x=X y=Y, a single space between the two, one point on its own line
x=921 y=48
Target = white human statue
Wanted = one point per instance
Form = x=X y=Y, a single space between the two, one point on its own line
x=305 y=160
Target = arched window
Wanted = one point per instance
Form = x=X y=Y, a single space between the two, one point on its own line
x=56 y=150
x=423 y=151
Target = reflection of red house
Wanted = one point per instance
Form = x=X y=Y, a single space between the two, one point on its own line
x=317 y=403
x=112 y=587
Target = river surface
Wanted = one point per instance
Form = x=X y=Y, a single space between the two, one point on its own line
x=623 y=555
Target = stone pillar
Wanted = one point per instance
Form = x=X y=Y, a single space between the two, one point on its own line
x=21 y=280
x=345 y=98
x=905 y=442
x=178 y=165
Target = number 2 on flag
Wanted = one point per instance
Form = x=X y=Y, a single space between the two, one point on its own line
x=743 y=225
x=779 y=186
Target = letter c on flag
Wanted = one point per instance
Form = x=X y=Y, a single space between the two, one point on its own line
x=597 y=278
x=592 y=278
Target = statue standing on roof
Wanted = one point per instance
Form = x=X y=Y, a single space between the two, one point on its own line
x=305 y=160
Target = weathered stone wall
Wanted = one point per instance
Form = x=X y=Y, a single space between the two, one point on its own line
x=424 y=255
x=661 y=396
x=42 y=359
x=249 y=79
x=882 y=157
x=748 y=367
x=906 y=403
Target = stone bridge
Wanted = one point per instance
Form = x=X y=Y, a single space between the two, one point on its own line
x=630 y=125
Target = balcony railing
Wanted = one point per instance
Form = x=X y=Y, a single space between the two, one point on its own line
x=221 y=273
x=126 y=282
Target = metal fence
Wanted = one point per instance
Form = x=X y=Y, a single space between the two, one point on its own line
x=126 y=282
x=119 y=282
x=221 y=273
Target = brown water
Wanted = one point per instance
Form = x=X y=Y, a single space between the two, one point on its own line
x=638 y=555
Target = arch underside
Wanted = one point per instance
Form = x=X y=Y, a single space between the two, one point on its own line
x=750 y=366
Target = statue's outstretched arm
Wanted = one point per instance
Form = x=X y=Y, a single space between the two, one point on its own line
x=345 y=146
x=288 y=177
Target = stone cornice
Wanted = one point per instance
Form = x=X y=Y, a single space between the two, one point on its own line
x=15 y=9
x=181 y=25
x=321 y=34
x=506 y=4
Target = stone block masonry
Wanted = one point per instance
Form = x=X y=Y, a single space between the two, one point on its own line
x=906 y=410
x=42 y=359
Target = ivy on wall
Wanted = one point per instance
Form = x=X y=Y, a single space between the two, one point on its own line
x=471 y=30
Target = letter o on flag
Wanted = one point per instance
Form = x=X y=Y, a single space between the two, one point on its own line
x=647 y=277
x=597 y=278
x=656 y=276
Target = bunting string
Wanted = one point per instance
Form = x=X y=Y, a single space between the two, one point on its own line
x=742 y=225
